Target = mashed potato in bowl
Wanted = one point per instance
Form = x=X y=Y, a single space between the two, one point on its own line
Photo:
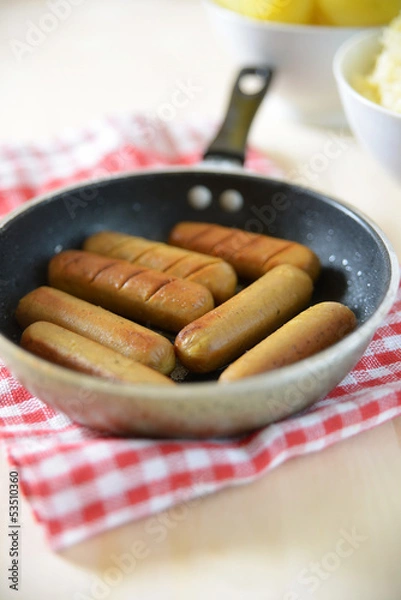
x=383 y=84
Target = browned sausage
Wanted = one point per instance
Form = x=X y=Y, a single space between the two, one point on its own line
x=138 y=293
x=313 y=330
x=232 y=328
x=215 y=274
x=68 y=349
x=251 y=254
x=115 y=332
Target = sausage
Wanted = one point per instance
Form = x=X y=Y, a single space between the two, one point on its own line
x=100 y=325
x=226 y=332
x=311 y=331
x=135 y=292
x=251 y=254
x=68 y=349
x=212 y=272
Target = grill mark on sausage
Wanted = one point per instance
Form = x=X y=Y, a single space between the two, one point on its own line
x=246 y=245
x=212 y=261
x=109 y=266
x=242 y=248
x=162 y=285
x=138 y=256
x=70 y=262
x=198 y=235
x=224 y=240
x=118 y=244
x=199 y=268
x=276 y=253
x=131 y=276
x=173 y=264
x=148 y=250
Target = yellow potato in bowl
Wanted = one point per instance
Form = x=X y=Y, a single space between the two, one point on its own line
x=284 y=11
x=356 y=13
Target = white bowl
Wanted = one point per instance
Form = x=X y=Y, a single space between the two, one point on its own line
x=303 y=87
x=376 y=128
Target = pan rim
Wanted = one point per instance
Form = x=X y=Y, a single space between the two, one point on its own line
x=258 y=383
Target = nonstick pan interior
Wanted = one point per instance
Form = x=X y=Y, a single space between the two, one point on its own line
x=356 y=266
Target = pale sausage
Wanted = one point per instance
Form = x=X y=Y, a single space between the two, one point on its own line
x=100 y=325
x=311 y=331
x=73 y=351
x=226 y=332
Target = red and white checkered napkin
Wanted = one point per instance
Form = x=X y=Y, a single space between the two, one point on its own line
x=79 y=482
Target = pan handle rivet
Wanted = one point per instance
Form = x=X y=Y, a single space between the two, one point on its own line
x=199 y=197
x=231 y=201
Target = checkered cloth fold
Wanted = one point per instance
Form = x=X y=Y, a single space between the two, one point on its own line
x=80 y=482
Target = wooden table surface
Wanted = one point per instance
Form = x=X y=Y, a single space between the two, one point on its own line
x=325 y=526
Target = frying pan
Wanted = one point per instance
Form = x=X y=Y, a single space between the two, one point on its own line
x=359 y=269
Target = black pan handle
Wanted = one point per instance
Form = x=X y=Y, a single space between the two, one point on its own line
x=230 y=142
